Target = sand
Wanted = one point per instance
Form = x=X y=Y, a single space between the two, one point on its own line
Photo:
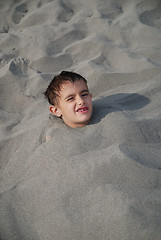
x=100 y=182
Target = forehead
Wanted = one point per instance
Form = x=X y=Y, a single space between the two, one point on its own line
x=70 y=87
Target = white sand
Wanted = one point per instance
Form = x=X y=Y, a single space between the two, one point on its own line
x=100 y=182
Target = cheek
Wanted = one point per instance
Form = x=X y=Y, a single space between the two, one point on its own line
x=70 y=106
x=90 y=101
x=73 y=105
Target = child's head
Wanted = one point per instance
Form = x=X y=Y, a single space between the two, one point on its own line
x=70 y=99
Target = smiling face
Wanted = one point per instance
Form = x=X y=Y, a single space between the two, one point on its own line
x=74 y=104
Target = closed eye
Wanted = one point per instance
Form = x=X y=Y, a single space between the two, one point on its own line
x=70 y=99
x=85 y=94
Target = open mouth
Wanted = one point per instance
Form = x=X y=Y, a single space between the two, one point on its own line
x=82 y=110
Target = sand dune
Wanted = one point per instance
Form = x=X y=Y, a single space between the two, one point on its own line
x=102 y=181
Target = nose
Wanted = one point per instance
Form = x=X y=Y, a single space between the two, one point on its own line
x=80 y=101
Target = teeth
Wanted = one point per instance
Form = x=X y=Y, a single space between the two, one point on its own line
x=81 y=110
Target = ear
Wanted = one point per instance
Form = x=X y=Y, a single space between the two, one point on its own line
x=55 y=110
x=90 y=95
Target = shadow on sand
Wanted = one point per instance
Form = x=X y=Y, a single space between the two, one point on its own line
x=117 y=102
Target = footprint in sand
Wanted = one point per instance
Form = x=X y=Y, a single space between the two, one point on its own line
x=152 y=17
x=19 y=12
x=67 y=12
x=4 y=26
x=19 y=67
x=51 y=64
x=111 y=11
x=57 y=45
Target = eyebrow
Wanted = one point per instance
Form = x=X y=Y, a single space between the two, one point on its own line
x=84 y=91
x=71 y=95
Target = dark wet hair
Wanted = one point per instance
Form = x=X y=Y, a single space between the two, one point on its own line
x=52 y=91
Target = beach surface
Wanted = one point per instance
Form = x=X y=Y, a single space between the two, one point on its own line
x=102 y=181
